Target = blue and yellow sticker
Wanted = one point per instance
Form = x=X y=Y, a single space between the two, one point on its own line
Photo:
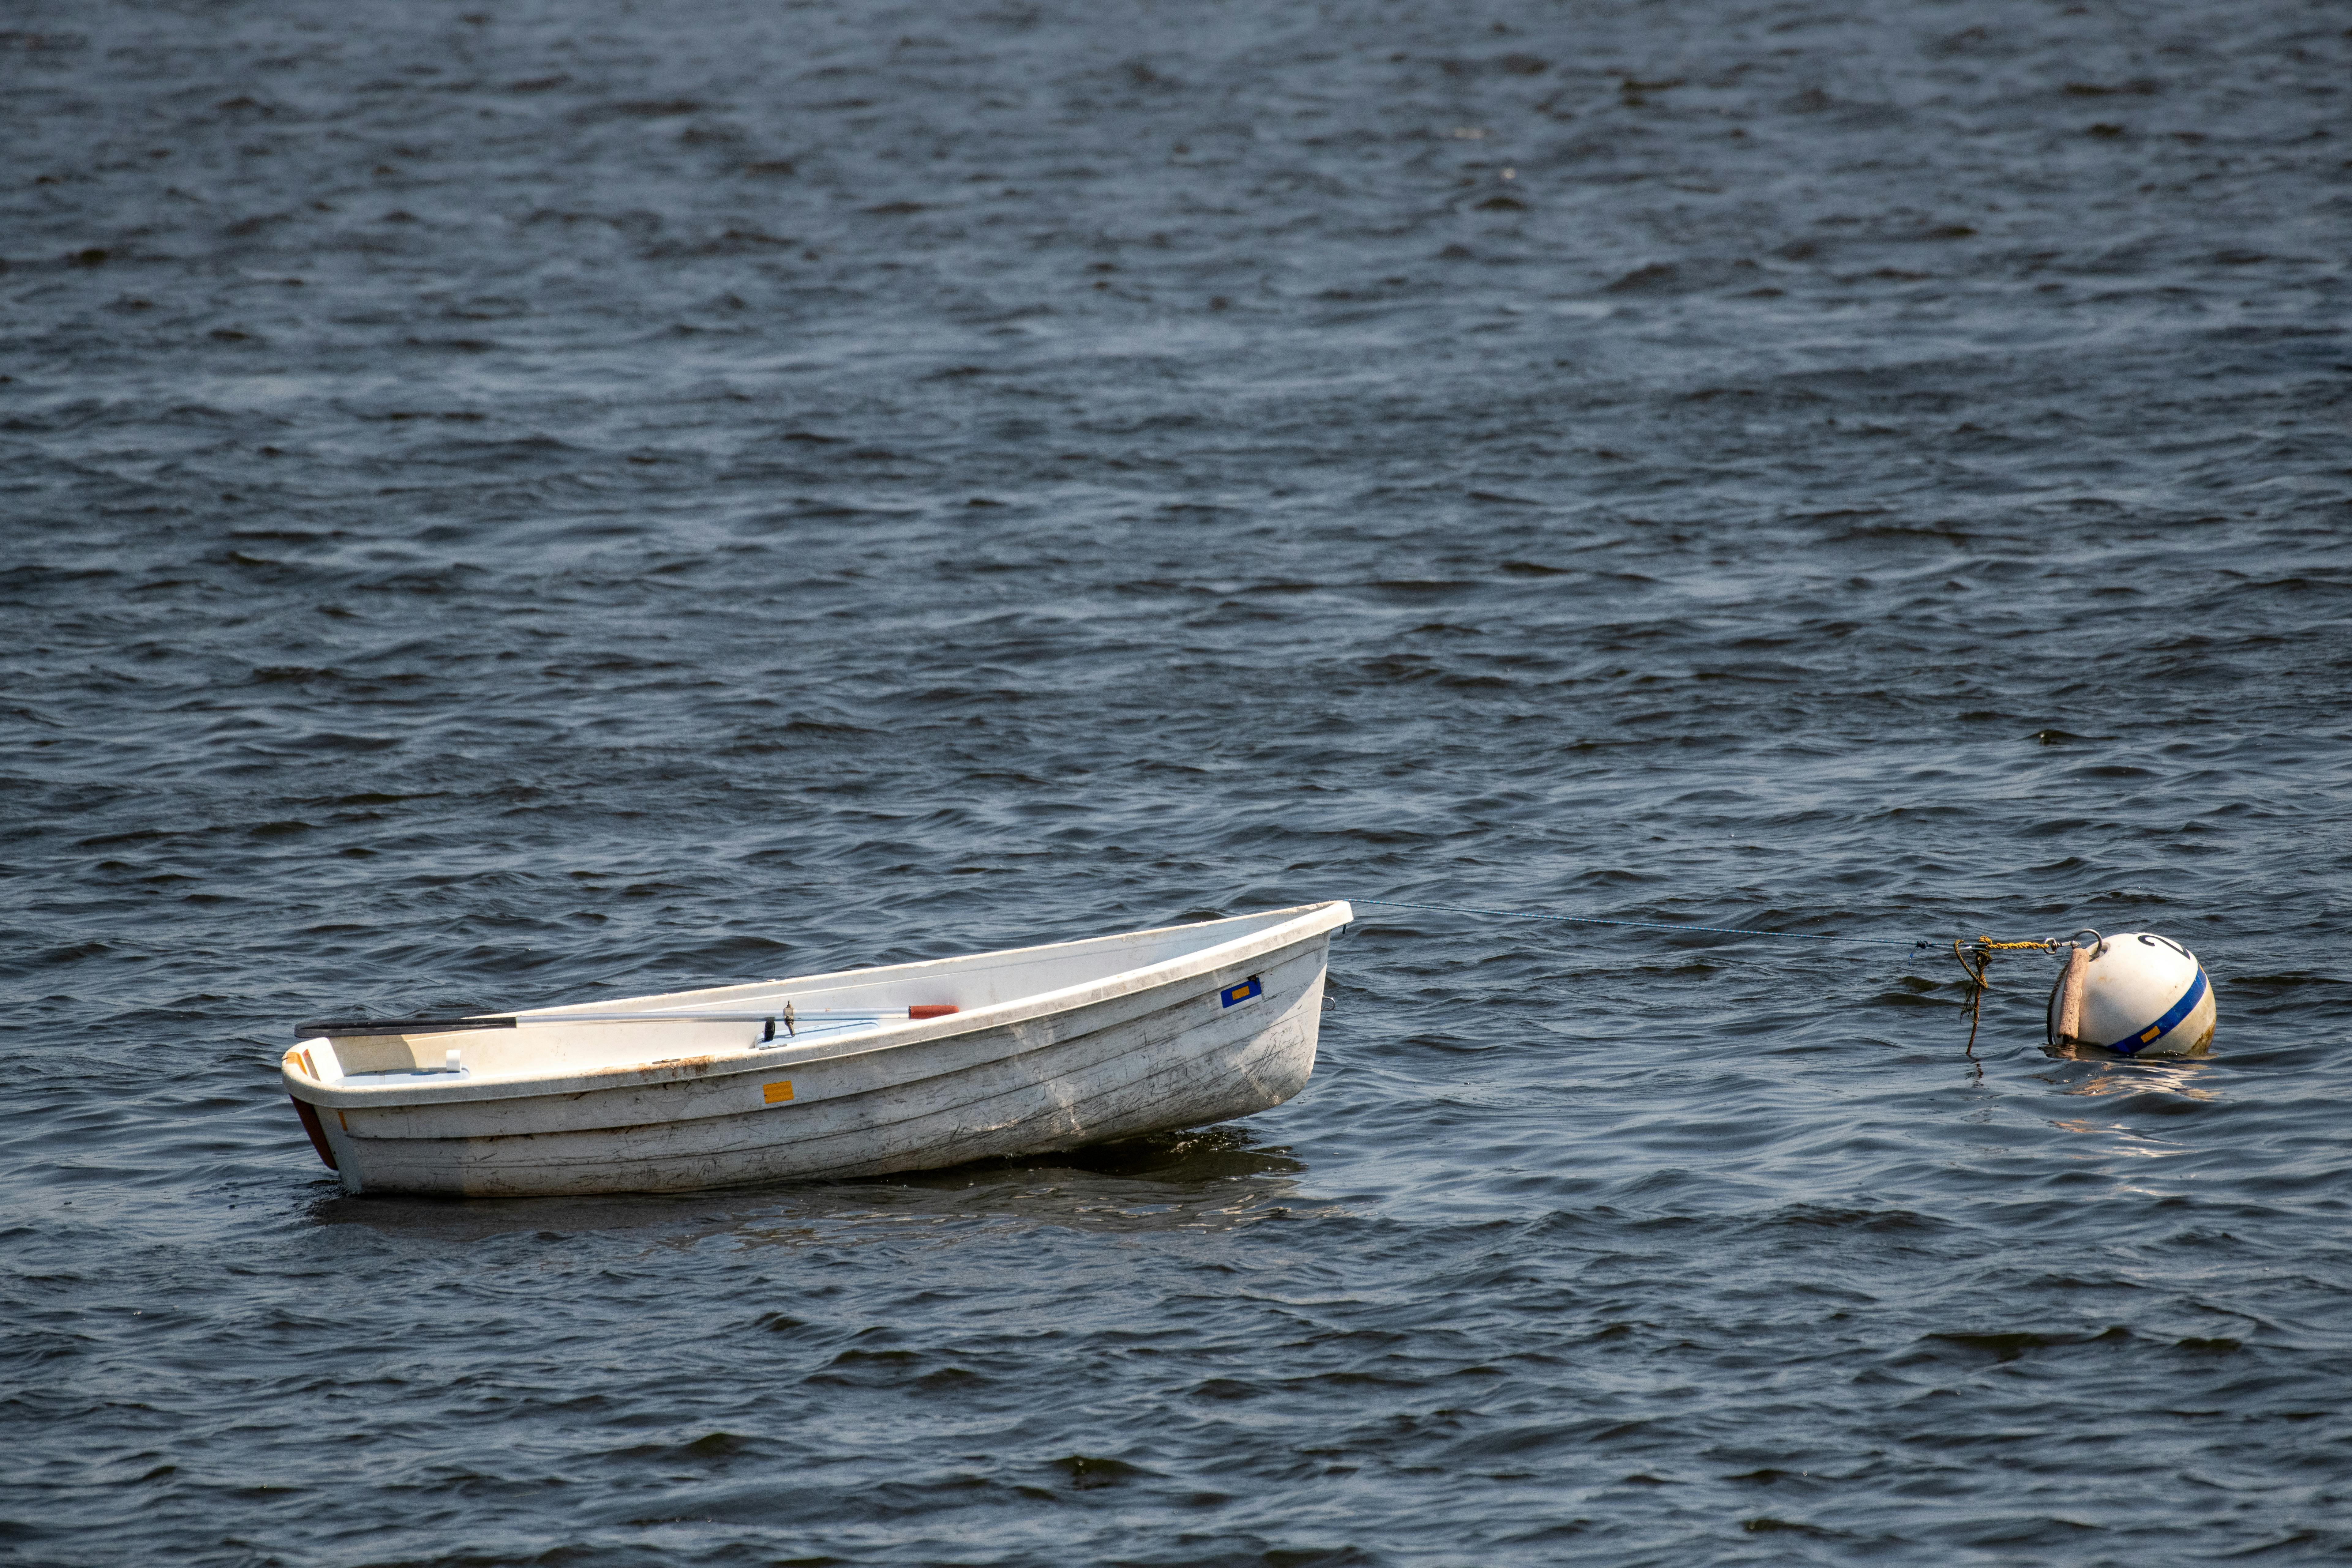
x=1236 y=994
x=2174 y=1016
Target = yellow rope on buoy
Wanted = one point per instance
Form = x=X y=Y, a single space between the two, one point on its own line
x=1984 y=947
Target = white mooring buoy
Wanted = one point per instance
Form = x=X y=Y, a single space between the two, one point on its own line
x=2138 y=994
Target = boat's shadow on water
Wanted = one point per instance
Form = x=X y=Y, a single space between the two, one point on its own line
x=1214 y=1178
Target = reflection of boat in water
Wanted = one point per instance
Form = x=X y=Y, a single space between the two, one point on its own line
x=860 y=1072
x=1201 y=1180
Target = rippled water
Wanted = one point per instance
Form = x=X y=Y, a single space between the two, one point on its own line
x=508 y=505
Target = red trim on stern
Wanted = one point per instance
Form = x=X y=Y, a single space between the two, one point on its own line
x=318 y=1134
x=931 y=1010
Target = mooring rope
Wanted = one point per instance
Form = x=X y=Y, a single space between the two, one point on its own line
x=1981 y=949
x=1644 y=925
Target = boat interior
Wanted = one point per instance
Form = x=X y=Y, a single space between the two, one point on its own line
x=631 y=1031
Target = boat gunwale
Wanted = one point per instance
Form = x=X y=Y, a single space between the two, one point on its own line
x=1307 y=920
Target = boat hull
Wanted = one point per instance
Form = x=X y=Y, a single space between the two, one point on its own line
x=1174 y=1054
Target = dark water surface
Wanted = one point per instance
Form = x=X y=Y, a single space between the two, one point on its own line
x=509 y=503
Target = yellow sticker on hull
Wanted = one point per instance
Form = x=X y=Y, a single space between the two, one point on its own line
x=777 y=1093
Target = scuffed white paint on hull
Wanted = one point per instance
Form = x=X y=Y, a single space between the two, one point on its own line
x=1145 y=1058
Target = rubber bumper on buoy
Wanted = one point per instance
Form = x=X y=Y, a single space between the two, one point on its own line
x=2138 y=994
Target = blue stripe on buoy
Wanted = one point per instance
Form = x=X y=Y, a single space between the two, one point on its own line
x=2130 y=1044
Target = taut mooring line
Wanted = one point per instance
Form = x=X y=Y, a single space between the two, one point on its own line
x=1643 y=925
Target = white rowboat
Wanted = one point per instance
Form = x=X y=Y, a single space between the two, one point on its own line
x=858 y=1073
